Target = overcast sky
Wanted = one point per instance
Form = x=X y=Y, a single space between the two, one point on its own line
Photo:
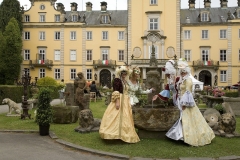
x=121 y=4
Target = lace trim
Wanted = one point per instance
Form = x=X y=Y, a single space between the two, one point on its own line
x=187 y=100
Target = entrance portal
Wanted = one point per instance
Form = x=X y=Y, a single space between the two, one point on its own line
x=105 y=78
x=206 y=77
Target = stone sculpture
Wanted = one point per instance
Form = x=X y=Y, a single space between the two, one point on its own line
x=87 y=123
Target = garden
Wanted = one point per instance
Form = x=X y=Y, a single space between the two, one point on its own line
x=154 y=148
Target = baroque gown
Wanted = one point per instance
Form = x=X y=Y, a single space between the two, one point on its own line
x=191 y=127
x=118 y=124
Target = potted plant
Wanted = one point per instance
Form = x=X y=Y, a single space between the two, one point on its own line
x=44 y=114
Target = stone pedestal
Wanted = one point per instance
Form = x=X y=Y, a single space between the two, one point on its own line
x=154 y=122
x=65 y=114
x=234 y=104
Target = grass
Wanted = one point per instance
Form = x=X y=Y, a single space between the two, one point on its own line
x=151 y=148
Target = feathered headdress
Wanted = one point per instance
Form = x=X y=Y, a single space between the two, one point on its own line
x=169 y=67
x=183 y=66
x=121 y=70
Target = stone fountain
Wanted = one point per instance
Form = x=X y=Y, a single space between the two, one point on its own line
x=156 y=118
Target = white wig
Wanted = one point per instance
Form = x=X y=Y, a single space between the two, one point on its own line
x=169 y=67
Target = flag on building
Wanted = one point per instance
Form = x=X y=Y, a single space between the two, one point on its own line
x=105 y=62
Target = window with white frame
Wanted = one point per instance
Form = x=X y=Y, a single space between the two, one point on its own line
x=153 y=1
x=223 y=33
x=120 y=55
x=57 y=55
x=26 y=35
x=41 y=55
x=187 y=34
x=89 y=35
x=223 y=76
x=74 y=18
x=205 y=54
x=27 y=71
x=223 y=55
x=26 y=54
x=204 y=17
x=57 y=18
x=57 y=35
x=73 y=55
x=187 y=55
x=42 y=18
x=57 y=73
x=104 y=54
x=27 y=18
x=73 y=35
x=239 y=33
x=120 y=35
x=42 y=35
x=204 y=34
x=72 y=74
x=105 y=19
x=239 y=54
x=153 y=23
x=89 y=74
x=238 y=76
x=156 y=51
x=105 y=35
x=41 y=72
x=89 y=55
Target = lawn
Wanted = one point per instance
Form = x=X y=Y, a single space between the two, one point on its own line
x=152 y=148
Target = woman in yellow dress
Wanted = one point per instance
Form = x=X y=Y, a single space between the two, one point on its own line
x=117 y=121
x=191 y=127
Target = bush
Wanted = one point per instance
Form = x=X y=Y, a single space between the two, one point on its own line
x=231 y=94
x=44 y=112
x=219 y=108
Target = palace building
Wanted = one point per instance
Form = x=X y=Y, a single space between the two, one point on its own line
x=59 y=43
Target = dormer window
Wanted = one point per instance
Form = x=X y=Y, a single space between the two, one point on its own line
x=74 y=18
x=105 y=19
x=204 y=17
x=153 y=2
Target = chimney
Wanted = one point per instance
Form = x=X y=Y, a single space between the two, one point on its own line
x=238 y=3
x=191 y=4
x=103 y=6
x=223 y=3
x=88 y=6
x=74 y=6
x=207 y=3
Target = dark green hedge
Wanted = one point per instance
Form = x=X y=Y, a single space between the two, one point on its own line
x=15 y=93
x=231 y=94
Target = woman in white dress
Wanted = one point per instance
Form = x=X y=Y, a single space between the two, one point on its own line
x=135 y=86
x=191 y=127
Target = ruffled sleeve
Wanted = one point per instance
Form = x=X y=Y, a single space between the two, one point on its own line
x=144 y=92
x=187 y=98
x=115 y=95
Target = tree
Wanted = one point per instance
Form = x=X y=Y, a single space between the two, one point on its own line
x=2 y=63
x=9 y=9
x=12 y=52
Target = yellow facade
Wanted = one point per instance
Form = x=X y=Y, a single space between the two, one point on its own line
x=56 y=45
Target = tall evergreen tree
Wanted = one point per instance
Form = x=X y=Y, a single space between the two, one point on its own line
x=9 y=9
x=2 y=63
x=12 y=52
